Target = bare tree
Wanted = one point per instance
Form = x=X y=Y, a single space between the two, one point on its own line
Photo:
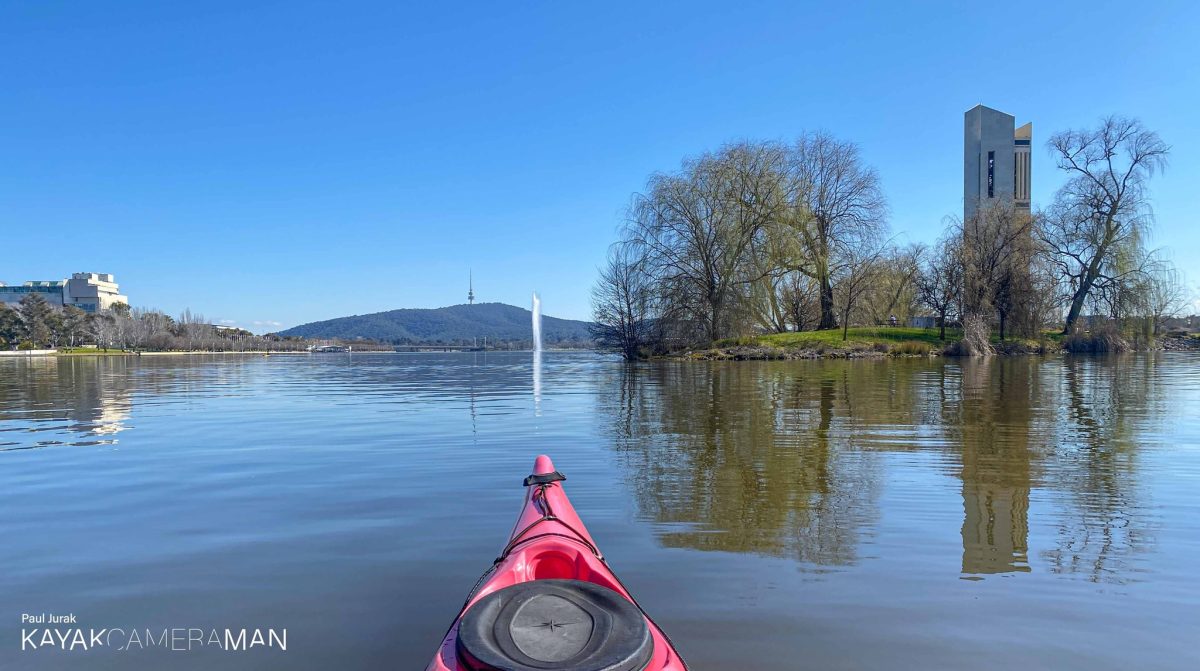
x=1049 y=295
x=1103 y=208
x=861 y=268
x=621 y=303
x=192 y=329
x=698 y=230
x=834 y=202
x=939 y=284
x=799 y=297
x=995 y=246
x=104 y=330
x=894 y=292
x=1011 y=293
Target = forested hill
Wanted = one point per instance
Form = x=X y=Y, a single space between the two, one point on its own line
x=454 y=324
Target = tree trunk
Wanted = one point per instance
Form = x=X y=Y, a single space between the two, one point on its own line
x=1088 y=279
x=1077 y=301
x=828 y=320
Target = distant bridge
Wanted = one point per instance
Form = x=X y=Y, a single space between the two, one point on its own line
x=442 y=348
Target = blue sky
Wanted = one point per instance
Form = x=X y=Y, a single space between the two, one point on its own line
x=274 y=163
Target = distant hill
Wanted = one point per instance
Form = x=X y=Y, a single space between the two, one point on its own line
x=497 y=322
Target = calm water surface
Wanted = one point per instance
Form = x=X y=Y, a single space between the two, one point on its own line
x=1013 y=513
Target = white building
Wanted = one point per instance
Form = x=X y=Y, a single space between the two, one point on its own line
x=90 y=292
x=93 y=292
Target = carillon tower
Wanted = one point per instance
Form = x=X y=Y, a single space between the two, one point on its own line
x=996 y=160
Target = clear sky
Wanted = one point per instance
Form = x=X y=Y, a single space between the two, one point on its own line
x=273 y=163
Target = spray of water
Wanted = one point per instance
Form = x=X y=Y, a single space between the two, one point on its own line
x=537 y=323
x=537 y=355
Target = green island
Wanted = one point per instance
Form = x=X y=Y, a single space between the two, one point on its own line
x=865 y=341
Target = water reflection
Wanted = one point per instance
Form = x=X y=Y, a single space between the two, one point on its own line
x=1031 y=464
x=990 y=420
x=65 y=401
x=1109 y=405
x=816 y=511
x=720 y=467
x=537 y=382
x=787 y=459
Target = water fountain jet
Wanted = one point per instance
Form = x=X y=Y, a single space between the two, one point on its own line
x=537 y=323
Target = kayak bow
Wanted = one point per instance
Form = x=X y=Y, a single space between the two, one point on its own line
x=550 y=601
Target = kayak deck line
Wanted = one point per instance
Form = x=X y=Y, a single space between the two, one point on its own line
x=543 y=504
x=551 y=601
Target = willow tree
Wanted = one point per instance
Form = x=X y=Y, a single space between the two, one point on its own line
x=894 y=292
x=1165 y=295
x=699 y=231
x=834 y=203
x=1101 y=214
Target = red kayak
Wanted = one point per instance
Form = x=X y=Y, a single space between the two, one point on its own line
x=550 y=602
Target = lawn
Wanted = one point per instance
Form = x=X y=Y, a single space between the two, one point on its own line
x=864 y=335
x=868 y=336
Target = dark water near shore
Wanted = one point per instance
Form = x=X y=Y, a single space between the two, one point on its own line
x=1012 y=513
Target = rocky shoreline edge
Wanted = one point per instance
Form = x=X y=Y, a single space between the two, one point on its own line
x=1171 y=343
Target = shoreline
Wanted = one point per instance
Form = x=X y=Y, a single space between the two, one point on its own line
x=742 y=351
x=23 y=354
x=36 y=354
x=755 y=351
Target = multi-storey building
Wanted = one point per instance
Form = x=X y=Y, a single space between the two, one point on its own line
x=90 y=292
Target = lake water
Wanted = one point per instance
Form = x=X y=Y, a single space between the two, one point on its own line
x=1016 y=513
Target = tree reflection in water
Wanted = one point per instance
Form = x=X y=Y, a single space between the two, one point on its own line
x=787 y=459
x=1103 y=527
x=747 y=458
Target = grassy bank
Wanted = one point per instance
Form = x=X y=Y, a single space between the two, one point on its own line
x=861 y=341
x=859 y=335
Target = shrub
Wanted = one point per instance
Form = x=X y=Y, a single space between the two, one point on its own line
x=976 y=340
x=1101 y=339
x=915 y=347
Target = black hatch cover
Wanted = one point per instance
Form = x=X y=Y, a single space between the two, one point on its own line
x=564 y=625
